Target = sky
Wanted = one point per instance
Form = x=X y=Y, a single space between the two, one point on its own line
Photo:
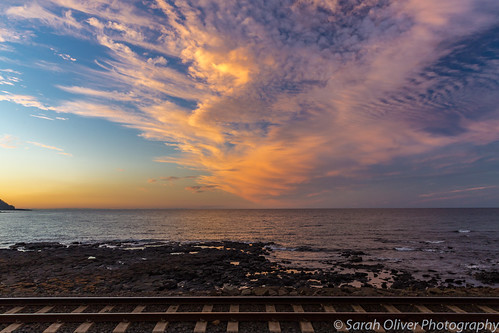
x=249 y=103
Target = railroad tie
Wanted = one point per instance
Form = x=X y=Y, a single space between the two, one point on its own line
x=423 y=309
x=83 y=328
x=486 y=309
x=330 y=308
x=15 y=326
x=393 y=309
x=454 y=308
x=274 y=326
x=162 y=325
x=201 y=324
x=232 y=325
x=359 y=308
x=55 y=326
x=123 y=326
x=305 y=326
x=15 y=310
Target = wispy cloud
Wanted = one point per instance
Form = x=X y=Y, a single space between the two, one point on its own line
x=175 y=178
x=8 y=141
x=11 y=71
x=59 y=151
x=264 y=98
x=201 y=188
x=44 y=116
x=41 y=116
x=48 y=66
x=169 y=179
x=8 y=78
x=8 y=35
x=5 y=82
x=63 y=55
x=34 y=10
x=24 y=100
x=112 y=95
x=463 y=190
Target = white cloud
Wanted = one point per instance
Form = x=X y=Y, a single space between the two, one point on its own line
x=63 y=55
x=59 y=151
x=35 y=11
x=8 y=35
x=24 y=100
x=41 y=116
x=113 y=95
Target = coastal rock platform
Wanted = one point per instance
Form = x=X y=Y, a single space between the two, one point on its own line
x=209 y=268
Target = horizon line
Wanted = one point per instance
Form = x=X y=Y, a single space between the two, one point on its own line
x=221 y=208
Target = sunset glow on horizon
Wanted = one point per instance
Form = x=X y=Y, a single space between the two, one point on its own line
x=249 y=104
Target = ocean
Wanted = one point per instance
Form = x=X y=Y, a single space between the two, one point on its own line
x=455 y=243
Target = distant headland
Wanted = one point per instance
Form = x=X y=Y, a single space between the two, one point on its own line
x=6 y=206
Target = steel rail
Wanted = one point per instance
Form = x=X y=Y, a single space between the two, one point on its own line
x=241 y=316
x=249 y=300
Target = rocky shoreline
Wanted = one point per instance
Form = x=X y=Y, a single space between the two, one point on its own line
x=213 y=268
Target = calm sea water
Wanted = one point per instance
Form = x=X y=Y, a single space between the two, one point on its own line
x=454 y=242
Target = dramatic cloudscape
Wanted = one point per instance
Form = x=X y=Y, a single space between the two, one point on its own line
x=219 y=103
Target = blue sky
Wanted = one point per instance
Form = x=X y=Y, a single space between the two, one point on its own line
x=163 y=104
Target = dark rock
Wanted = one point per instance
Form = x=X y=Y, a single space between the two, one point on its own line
x=37 y=246
x=6 y=206
x=349 y=253
x=261 y=291
x=491 y=277
x=230 y=290
x=272 y=292
x=54 y=269
x=282 y=291
x=355 y=259
x=169 y=284
x=246 y=292
x=305 y=248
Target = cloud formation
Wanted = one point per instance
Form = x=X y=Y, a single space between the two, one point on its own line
x=201 y=188
x=265 y=98
x=472 y=189
x=24 y=100
x=41 y=116
x=59 y=151
x=461 y=193
x=7 y=141
x=63 y=55
x=169 y=179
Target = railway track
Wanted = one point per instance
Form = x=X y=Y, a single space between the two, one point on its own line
x=231 y=314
